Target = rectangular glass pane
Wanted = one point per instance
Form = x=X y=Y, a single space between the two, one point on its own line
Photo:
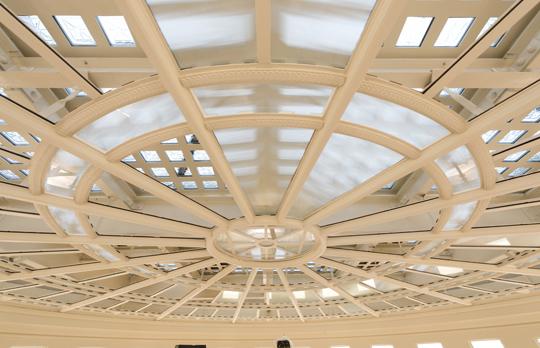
x=37 y=26
x=116 y=30
x=486 y=27
x=75 y=30
x=413 y=32
x=460 y=169
x=430 y=345
x=512 y=136
x=453 y=32
x=487 y=344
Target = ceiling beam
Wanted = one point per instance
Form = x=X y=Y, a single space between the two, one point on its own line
x=287 y=287
x=245 y=293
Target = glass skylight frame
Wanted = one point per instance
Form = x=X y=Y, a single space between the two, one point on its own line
x=34 y=23
x=113 y=31
x=454 y=31
x=409 y=28
x=487 y=343
x=63 y=22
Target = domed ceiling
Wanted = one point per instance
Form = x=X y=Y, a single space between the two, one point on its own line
x=268 y=160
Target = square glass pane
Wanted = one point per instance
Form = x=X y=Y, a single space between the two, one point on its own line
x=15 y=138
x=207 y=32
x=487 y=344
x=75 y=30
x=210 y=185
x=512 y=136
x=200 y=155
x=516 y=156
x=160 y=172
x=189 y=185
x=263 y=98
x=205 y=171
x=183 y=171
x=413 y=32
x=519 y=171
x=8 y=174
x=489 y=135
x=533 y=116
x=116 y=30
x=453 y=32
x=430 y=345
x=175 y=155
x=150 y=156
x=37 y=26
x=322 y=32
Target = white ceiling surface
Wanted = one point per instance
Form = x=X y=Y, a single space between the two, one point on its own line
x=372 y=179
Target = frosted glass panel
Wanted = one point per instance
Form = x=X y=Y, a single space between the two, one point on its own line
x=130 y=121
x=237 y=99
x=67 y=220
x=344 y=163
x=461 y=213
x=322 y=32
x=65 y=170
x=264 y=160
x=403 y=123
x=207 y=32
x=460 y=169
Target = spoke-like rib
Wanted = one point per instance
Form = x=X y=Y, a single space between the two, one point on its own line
x=366 y=255
x=142 y=284
x=361 y=273
x=149 y=37
x=287 y=287
x=10 y=20
x=326 y=283
x=244 y=295
x=203 y=286
x=263 y=28
x=376 y=30
x=97 y=266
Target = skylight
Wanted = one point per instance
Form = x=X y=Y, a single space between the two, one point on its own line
x=533 y=116
x=519 y=171
x=382 y=346
x=512 y=136
x=535 y=158
x=489 y=23
x=500 y=170
x=200 y=155
x=455 y=90
x=413 y=32
x=430 y=345
x=150 y=156
x=487 y=344
x=453 y=31
x=489 y=135
x=116 y=30
x=129 y=158
x=183 y=171
x=37 y=26
x=160 y=172
x=210 y=184
x=8 y=174
x=516 y=156
x=205 y=171
x=231 y=295
x=15 y=138
x=299 y=295
x=175 y=155
x=75 y=30
x=328 y=293
x=189 y=185
x=191 y=139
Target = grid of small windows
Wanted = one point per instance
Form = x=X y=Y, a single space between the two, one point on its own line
x=179 y=163
x=77 y=32
x=16 y=150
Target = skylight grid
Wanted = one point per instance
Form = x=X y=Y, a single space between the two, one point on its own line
x=414 y=31
x=36 y=25
x=116 y=30
x=75 y=30
x=454 y=31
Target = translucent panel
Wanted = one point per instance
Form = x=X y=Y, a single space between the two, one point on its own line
x=129 y=158
x=37 y=26
x=15 y=138
x=205 y=171
x=487 y=344
x=328 y=293
x=251 y=98
x=413 y=32
x=344 y=163
x=67 y=220
x=535 y=158
x=443 y=270
x=382 y=346
x=447 y=91
x=200 y=155
x=430 y=345
x=533 y=116
x=322 y=32
x=519 y=171
x=8 y=174
x=461 y=213
x=486 y=27
x=394 y=119
x=460 y=169
x=453 y=31
x=189 y=185
x=516 y=156
x=512 y=136
x=75 y=30
x=64 y=173
x=264 y=172
x=175 y=155
x=489 y=135
x=150 y=156
x=210 y=185
x=160 y=172
x=107 y=255
x=116 y=30
x=130 y=121
x=207 y=32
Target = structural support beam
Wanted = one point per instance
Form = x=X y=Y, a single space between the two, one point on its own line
x=287 y=287
x=326 y=283
x=361 y=273
x=97 y=266
x=203 y=286
x=151 y=40
x=263 y=29
x=10 y=20
x=244 y=295
x=371 y=40
x=142 y=284
x=366 y=255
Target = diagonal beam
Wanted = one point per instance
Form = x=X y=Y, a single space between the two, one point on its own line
x=23 y=194
x=361 y=273
x=33 y=123
x=51 y=56
x=516 y=105
x=50 y=238
x=484 y=267
x=244 y=295
x=98 y=266
x=505 y=22
x=142 y=284
x=376 y=30
x=289 y=292
x=203 y=286
x=501 y=188
x=149 y=37
x=326 y=283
